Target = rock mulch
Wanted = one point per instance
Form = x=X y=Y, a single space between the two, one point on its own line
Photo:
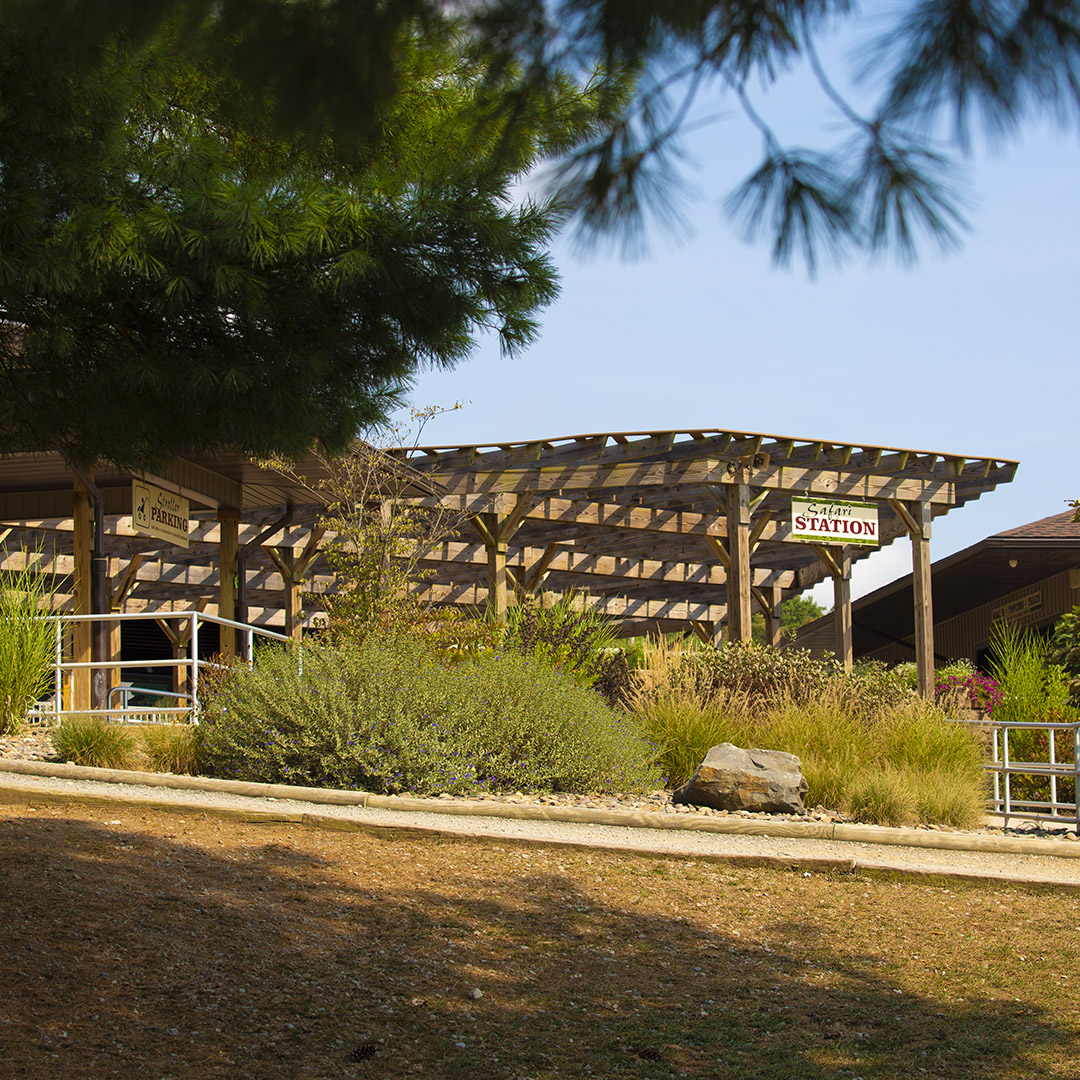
x=34 y=743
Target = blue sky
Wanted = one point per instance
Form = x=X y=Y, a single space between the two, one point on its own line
x=973 y=353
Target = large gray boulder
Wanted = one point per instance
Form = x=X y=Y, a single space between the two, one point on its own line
x=730 y=778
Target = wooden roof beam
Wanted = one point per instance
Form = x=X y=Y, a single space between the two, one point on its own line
x=558 y=559
x=832 y=482
x=615 y=606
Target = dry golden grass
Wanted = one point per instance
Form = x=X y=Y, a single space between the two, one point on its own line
x=145 y=944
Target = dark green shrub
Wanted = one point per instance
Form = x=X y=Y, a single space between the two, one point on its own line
x=386 y=716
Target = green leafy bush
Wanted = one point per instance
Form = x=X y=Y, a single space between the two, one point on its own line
x=27 y=644
x=385 y=716
x=96 y=742
x=1032 y=689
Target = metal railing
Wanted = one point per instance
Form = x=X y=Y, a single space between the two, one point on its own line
x=1062 y=764
x=60 y=704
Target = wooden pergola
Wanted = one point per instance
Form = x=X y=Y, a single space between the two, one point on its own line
x=660 y=530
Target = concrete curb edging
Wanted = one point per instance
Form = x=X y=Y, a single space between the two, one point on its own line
x=807 y=864
x=863 y=834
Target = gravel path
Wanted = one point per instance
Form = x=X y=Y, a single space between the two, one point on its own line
x=811 y=853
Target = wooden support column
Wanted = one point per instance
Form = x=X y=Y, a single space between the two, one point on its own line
x=838 y=563
x=497 y=597
x=496 y=530
x=179 y=635
x=81 y=682
x=120 y=586
x=294 y=570
x=738 y=546
x=774 y=616
x=842 y=610
x=227 y=552
x=294 y=577
x=924 y=607
x=916 y=518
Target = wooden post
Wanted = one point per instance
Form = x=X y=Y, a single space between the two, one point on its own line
x=81 y=637
x=924 y=608
x=496 y=579
x=227 y=552
x=774 y=616
x=178 y=635
x=293 y=569
x=738 y=546
x=496 y=529
x=292 y=593
x=916 y=518
x=839 y=567
x=842 y=609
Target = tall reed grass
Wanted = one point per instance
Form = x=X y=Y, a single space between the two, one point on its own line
x=27 y=641
x=885 y=758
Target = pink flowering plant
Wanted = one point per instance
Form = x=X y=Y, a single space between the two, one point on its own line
x=980 y=691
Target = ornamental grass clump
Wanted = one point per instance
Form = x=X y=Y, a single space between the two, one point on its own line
x=383 y=715
x=27 y=643
x=96 y=742
x=170 y=748
x=868 y=746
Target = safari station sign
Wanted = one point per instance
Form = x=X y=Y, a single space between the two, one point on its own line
x=830 y=521
x=159 y=513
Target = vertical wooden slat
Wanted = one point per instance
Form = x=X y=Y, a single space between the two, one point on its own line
x=842 y=608
x=738 y=546
x=81 y=632
x=924 y=609
x=227 y=551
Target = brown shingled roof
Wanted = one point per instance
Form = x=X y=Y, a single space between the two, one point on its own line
x=1055 y=527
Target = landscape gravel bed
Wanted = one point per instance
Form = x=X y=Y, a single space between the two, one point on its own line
x=34 y=744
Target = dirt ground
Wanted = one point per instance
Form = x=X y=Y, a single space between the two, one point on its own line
x=139 y=943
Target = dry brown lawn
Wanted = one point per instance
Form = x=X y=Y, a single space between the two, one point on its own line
x=140 y=944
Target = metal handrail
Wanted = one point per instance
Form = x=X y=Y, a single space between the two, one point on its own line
x=1004 y=768
x=193 y=663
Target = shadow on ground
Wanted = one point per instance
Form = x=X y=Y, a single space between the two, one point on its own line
x=167 y=949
